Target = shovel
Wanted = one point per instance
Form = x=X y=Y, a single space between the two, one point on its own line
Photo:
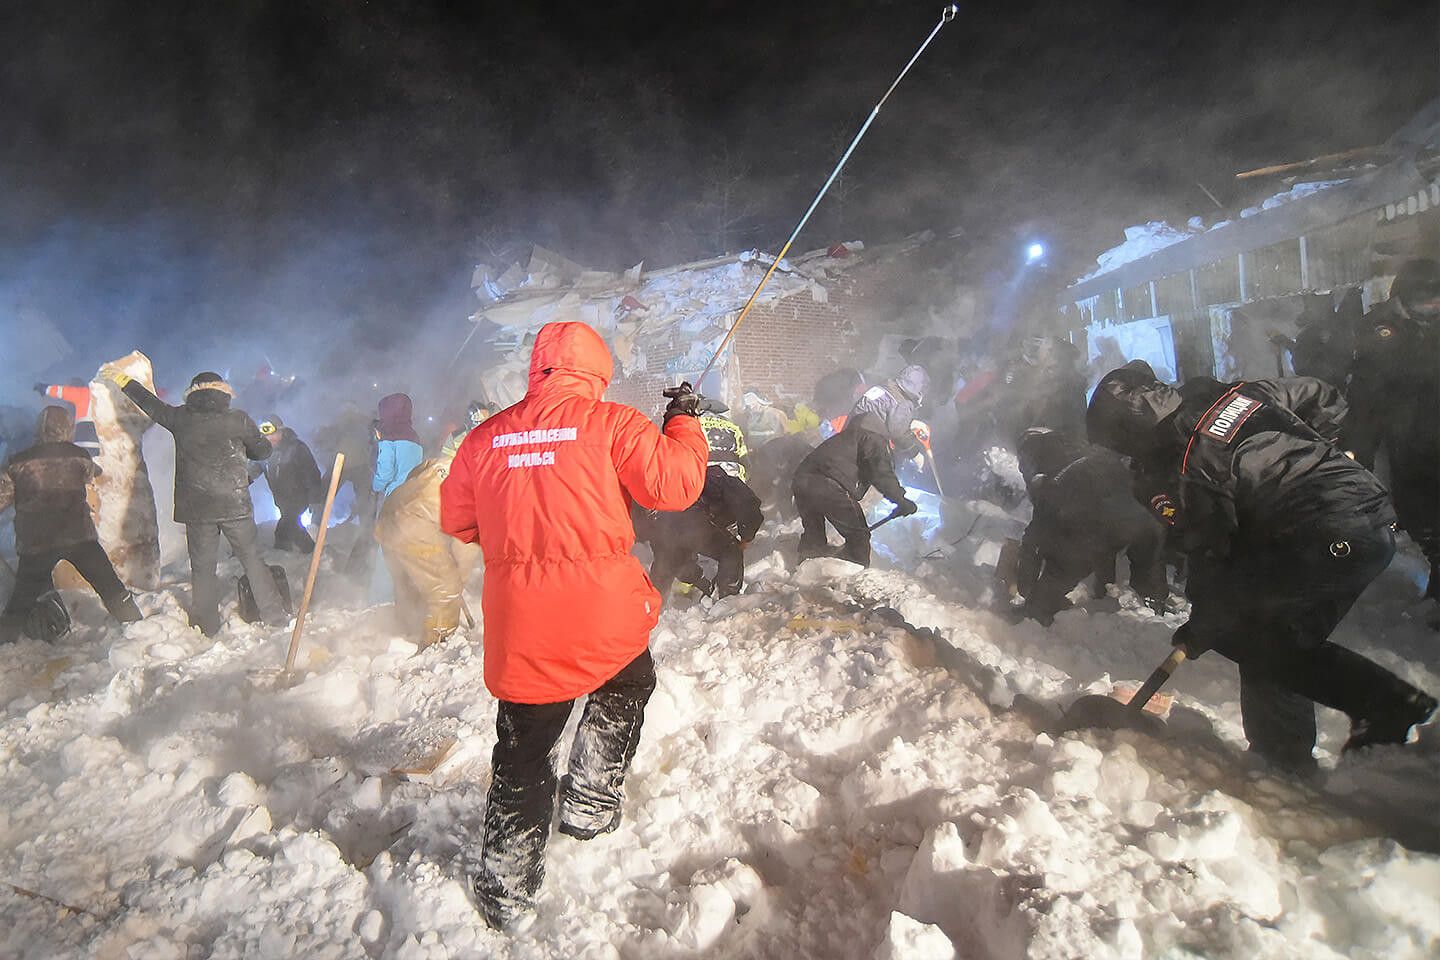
x=1104 y=712
x=880 y=523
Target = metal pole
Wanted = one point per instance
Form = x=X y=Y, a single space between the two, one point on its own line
x=946 y=15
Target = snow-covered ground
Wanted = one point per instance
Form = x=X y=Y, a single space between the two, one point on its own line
x=818 y=778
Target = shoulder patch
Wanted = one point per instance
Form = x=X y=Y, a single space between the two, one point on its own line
x=1223 y=424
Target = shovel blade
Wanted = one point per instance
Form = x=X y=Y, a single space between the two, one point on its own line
x=1096 y=711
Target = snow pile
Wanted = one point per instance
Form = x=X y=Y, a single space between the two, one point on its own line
x=1297 y=192
x=838 y=763
x=1155 y=235
x=1140 y=242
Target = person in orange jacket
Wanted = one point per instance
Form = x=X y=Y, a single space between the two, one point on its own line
x=545 y=488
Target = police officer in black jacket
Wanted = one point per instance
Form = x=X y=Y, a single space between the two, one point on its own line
x=212 y=488
x=1283 y=532
x=835 y=476
x=1395 y=402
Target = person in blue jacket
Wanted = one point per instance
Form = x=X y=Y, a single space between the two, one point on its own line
x=397 y=453
x=399 y=450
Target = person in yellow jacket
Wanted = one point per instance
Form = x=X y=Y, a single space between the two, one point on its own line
x=429 y=567
x=726 y=440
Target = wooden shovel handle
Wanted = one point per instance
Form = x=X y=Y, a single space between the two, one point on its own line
x=1157 y=679
x=314 y=564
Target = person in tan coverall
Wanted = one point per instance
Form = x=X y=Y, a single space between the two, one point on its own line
x=428 y=566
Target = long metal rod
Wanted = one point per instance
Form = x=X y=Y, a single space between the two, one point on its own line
x=946 y=16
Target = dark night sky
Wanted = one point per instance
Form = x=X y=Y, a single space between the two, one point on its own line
x=175 y=167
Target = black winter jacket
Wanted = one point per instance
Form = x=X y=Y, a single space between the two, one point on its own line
x=857 y=458
x=292 y=474
x=1257 y=465
x=212 y=444
x=1395 y=393
x=47 y=484
x=1085 y=506
x=728 y=501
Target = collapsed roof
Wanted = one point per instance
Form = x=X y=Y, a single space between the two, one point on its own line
x=1405 y=170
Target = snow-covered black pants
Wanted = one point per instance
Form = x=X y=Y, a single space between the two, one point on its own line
x=819 y=498
x=203 y=542
x=690 y=534
x=35 y=578
x=1271 y=610
x=522 y=791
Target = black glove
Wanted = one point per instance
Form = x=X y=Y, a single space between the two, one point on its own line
x=40 y=388
x=1185 y=637
x=684 y=402
x=906 y=506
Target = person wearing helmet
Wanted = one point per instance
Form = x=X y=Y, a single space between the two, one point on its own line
x=294 y=480
x=894 y=404
x=1282 y=532
x=1395 y=403
x=476 y=414
x=213 y=444
x=47 y=485
x=726 y=440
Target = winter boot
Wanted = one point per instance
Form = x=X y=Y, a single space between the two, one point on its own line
x=512 y=868
x=48 y=620
x=1393 y=725
x=125 y=609
x=591 y=828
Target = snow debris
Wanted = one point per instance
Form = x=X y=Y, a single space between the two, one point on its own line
x=1140 y=242
x=1153 y=236
x=840 y=763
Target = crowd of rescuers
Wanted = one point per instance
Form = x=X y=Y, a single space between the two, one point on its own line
x=1261 y=492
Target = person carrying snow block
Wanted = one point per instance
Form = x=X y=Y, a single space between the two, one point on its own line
x=46 y=484
x=832 y=480
x=429 y=568
x=1085 y=512
x=679 y=539
x=294 y=480
x=1282 y=532
x=545 y=488
x=213 y=444
x=896 y=403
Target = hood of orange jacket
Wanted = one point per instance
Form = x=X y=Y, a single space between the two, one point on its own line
x=570 y=358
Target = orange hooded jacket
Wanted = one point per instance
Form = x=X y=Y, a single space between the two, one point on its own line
x=545 y=488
